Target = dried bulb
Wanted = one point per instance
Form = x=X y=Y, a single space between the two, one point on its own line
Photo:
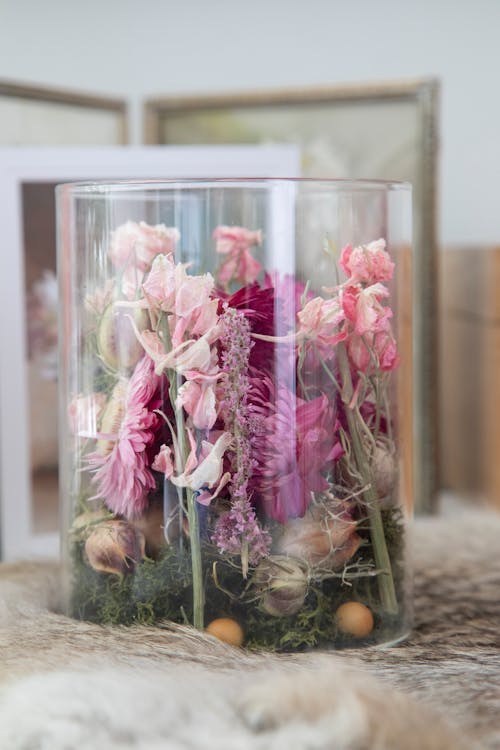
x=86 y=522
x=321 y=538
x=115 y=547
x=283 y=584
x=116 y=340
x=158 y=531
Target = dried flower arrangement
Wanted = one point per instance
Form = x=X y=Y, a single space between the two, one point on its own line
x=239 y=446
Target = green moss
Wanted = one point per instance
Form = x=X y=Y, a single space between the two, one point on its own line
x=157 y=589
x=161 y=589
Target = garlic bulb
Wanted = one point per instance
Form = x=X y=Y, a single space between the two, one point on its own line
x=282 y=582
x=115 y=547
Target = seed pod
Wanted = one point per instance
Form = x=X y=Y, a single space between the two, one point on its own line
x=85 y=523
x=112 y=417
x=118 y=345
x=115 y=547
x=283 y=584
x=384 y=470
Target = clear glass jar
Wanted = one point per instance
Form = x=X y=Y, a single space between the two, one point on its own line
x=236 y=407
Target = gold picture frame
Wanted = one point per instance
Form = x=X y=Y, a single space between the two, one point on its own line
x=378 y=130
x=43 y=116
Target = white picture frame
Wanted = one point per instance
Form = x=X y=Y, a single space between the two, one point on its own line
x=23 y=166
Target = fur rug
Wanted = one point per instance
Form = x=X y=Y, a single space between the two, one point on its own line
x=67 y=684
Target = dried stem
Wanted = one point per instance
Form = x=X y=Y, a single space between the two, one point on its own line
x=380 y=552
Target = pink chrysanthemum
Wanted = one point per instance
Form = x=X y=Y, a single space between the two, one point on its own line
x=295 y=445
x=122 y=474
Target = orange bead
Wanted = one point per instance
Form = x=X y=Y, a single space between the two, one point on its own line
x=354 y=619
x=226 y=630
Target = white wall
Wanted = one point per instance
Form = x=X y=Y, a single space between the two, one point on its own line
x=135 y=48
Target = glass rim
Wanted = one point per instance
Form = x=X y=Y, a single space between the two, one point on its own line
x=94 y=188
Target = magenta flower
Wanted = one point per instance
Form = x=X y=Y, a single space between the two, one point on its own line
x=289 y=293
x=294 y=447
x=235 y=244
x=122 y=474
x=259 y=308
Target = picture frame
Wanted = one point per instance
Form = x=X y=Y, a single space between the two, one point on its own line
x=37 y=115
x=377 y=130
x=28 y=175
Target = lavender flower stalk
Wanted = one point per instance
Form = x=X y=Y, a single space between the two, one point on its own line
x=238 y=531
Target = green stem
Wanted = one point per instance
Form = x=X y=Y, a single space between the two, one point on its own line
x=192 y=509
x=196 y=562
x=382 y=560
x=194 y=528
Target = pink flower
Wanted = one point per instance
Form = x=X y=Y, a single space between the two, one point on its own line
x=320 y=320
x=363 y=307
x=198 y=399
x=235 y=243
x=134 y=247
x=240 y=528
x=138 y=244
x=186 y=298
x=122 y=475
x=369 y=339
x=163 y=461
x=289 y=295
x=293 y=449
x=189 y=355
x=172 y=290
x=97 y=301
x=367 y=264
x=373 y=351
x=204 y=471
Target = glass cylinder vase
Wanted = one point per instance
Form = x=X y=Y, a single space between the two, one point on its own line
x=236 y=407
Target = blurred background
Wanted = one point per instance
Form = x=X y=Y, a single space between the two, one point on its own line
x=130 y=52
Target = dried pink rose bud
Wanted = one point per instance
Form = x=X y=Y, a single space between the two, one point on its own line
x=320 y=538
x=283 y=584
x=115 y=547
